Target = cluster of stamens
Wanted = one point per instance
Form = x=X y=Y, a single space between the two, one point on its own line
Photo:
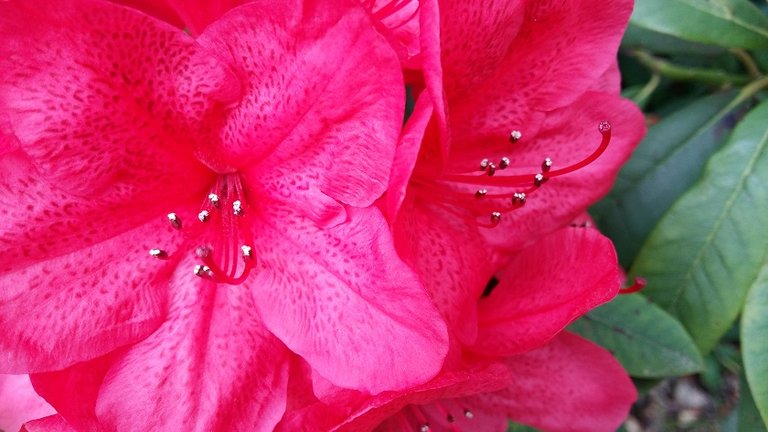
x=222 y=219
x=390 y=9
x=515 y=189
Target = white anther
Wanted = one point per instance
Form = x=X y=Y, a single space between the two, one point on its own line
x=515 y=136
x=174 y=220
x=247 y=251
x=158 y=253
x=237 y=208
x=214 y=199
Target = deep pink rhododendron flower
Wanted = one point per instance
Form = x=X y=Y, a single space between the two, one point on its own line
x=520 y=127
x=520 y=367
x=170 y=203
x=19 y=403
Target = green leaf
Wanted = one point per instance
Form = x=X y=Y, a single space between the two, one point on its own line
x=639 y=37
x=754 y=341
x=647 y=341
x=516 y=427
x=706 y=252
x=726 y=23
x=749 y=417
x=664 y=165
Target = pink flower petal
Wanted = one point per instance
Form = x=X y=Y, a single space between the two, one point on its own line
x=210 y=366
x=160 y=9
x=560 y=49
x=19 y=402
x=341 y=298
x=105 y=95
x=76 y=283
x=544 y=288
x=54 y=423
x=398 y=21
x=569 y=385
x=407 y=153
x=313 y=104
x=450 y=258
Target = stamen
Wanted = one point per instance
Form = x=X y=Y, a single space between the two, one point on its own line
x=203 y=271
x=469 y=415
x=424 y=427
x=546 y=165
x=203 y=216
x=491 y=169
x=504 y=162
x=636 y=287
x=247 y=252
x=484 y=164
x=481 y=193
x=539 y=179
x=237 y=208
x=174 y=220
x=214 y=199
x=515 y=136
x=158 y=253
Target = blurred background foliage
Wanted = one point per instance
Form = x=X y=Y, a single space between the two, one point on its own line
x=689 y=213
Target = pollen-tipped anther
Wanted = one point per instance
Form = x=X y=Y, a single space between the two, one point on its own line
x=213 y=199
x=481 y=193
x=515 y=136
x=237 y=208
x=203 y=271
x=484 y=164
x=495 y=218
x=604 y=126
x=539 y=179
x=424 y=428
x=158 y=253
x=203 y=216
x=469 y=414
x=174 y=220
x=504 y=162
x=247 y=252
x=202 y=251
x=491 y=169
x=518 y=198
x=546 y=165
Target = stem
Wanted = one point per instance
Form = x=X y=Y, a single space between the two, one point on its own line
x=749 y=63
x=715 y=77
x=642 y=96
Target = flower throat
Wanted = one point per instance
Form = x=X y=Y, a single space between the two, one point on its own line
x=222 y=232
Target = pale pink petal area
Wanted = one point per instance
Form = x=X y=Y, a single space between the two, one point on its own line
x=406 y=154
x=568 y=136
x=544 y=288
x=76 y=282
x=104 y=95
x=429 y=23
x=210 y=366
x=54 y=423
x=450 y=258
x=569 y=385
x=561 y=48
x=610 y=81
x=343 y=300
x=19 y=402
x=323 y=96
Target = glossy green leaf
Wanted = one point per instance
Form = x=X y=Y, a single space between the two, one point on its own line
x=647 y=341
x=726 y=23
x=754 y=341
x=637 y=37
x=748 y=416
x=707 y=250
x=664 y=165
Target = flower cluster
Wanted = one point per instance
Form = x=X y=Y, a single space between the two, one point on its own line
x=214 y=217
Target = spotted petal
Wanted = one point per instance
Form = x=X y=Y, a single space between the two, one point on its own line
x=102 y=95
x=343 y=300
x=312 y=107
x=544 y=287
